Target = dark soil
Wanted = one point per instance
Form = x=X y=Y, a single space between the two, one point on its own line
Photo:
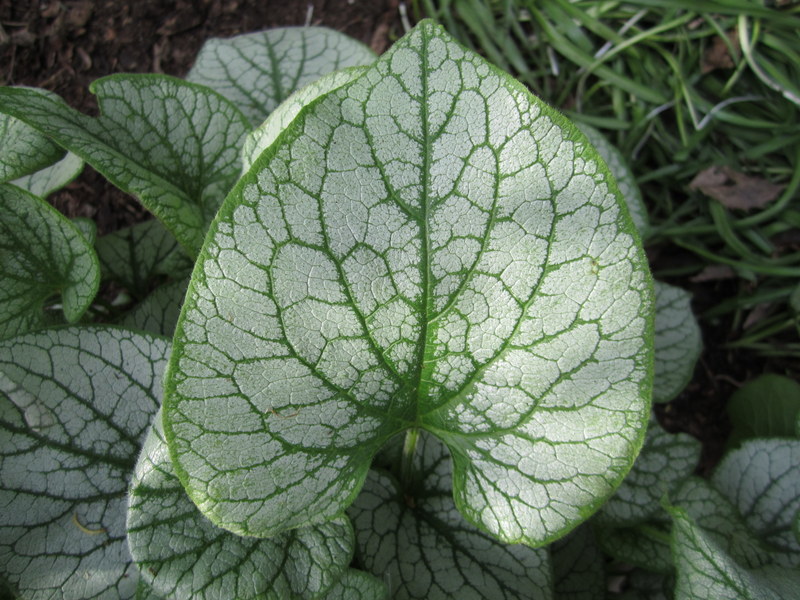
x=64 y=46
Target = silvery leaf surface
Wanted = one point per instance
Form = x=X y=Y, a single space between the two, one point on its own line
x=578 y=567
x=76 y=405
x=172 y=144
x=24 y=150
x=258 y=71
x=624 y=176
x=762 y=480
x=704 y=570
x=713 y=511
x=42 y=254
x=678 y=342
x=665 y=460
x=262 y=137
x=182 y=555
x=417 y=542
x=46 y=181
x=427 y=246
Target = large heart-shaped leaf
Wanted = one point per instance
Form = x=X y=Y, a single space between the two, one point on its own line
x=172 y=144
x=415 y=539
x=75 y=404
x=41 y=254
x=180 y=554
x=428 y=246
x=258 y=71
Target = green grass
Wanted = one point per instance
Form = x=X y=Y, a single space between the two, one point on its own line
x=635 y=70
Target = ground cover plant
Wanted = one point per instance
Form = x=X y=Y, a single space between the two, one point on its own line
x=415 y=357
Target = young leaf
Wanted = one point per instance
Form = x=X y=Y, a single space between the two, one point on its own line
x=258 y=71
x=357 y=585
x=704 y=570
x=427 y=246
x=75 y=404
x=134 y=255
x=678 y=342
x=762 y=479
x=624 y=176
x=578 y=567
x=158 y=312
x=262 y=137
x=665 y=460
x=180 y=554
x=48 y=180
x=416 y=540
x=24 y=150
x=41 y=254
x=767 y=406
x=172 y=144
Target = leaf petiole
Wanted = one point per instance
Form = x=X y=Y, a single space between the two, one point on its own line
x=407 y=461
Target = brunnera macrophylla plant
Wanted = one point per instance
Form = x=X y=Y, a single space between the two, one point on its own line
x=412 y=350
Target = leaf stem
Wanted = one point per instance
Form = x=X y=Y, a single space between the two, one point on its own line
x=407 y=462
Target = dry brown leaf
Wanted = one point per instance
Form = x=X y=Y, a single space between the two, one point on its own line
x=718 y=56
x=735 y=190
x=714 y=273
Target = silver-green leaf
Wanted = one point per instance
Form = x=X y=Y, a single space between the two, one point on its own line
x=180 y=554
x=262 y=137
x=75 y=406
x=414 y=538
x=427 y=246
x=24 y=150
x=762 y=479
x=258 y=71
x=678 y=342
x=172 y=144
x=42 y=254
x=704 y=570
x=46 y=181
x=665 y=460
